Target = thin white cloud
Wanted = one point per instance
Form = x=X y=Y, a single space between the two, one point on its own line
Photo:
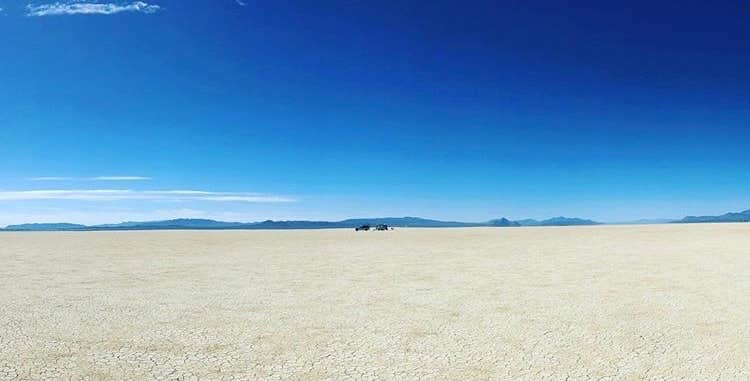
x=125 y=194
x=83 y=8
x=95 y=178
x=241 y=3
x=120 y=178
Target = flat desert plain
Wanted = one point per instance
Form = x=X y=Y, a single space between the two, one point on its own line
x=659 y=302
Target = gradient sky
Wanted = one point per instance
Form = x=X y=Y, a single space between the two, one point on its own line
x=462 y=110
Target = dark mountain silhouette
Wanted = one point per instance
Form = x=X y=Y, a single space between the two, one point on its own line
x=45 y=227
x=728 y=217
x=176 y=223
x=566 y=221
x=503 y=222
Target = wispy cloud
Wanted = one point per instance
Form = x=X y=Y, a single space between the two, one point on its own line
x=84 y=8
x=120 y=178
x=125 y=194
x=95 y=178
x=240 y=3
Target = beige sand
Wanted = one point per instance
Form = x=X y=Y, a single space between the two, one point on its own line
x=665 y=302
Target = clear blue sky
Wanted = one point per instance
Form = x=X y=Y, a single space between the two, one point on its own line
x=464 y=110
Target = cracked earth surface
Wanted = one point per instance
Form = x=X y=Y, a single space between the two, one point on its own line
x=661 y=302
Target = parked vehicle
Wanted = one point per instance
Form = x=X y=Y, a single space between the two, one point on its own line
x=379 y=227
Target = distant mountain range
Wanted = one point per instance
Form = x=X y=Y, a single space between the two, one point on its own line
x=728 y=217
x=645 y=221
x=46 y=227
x=503 y=222
x=204 y=224
x=558 y=221
x=191 y=223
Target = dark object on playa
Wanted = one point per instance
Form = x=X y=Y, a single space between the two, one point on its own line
x=363 y=227
x=381 y=227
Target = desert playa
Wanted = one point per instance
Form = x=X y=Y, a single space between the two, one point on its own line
x=658 y=302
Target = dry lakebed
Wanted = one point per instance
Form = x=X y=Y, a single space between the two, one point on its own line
x=650 y=302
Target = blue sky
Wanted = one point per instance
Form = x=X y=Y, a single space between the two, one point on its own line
x=332 y=109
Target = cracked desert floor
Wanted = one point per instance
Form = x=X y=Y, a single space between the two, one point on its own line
x=659 y=302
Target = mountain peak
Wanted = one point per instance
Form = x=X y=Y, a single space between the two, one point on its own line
x=503 y=222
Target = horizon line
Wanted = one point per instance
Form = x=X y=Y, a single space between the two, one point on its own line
x=644 y=221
